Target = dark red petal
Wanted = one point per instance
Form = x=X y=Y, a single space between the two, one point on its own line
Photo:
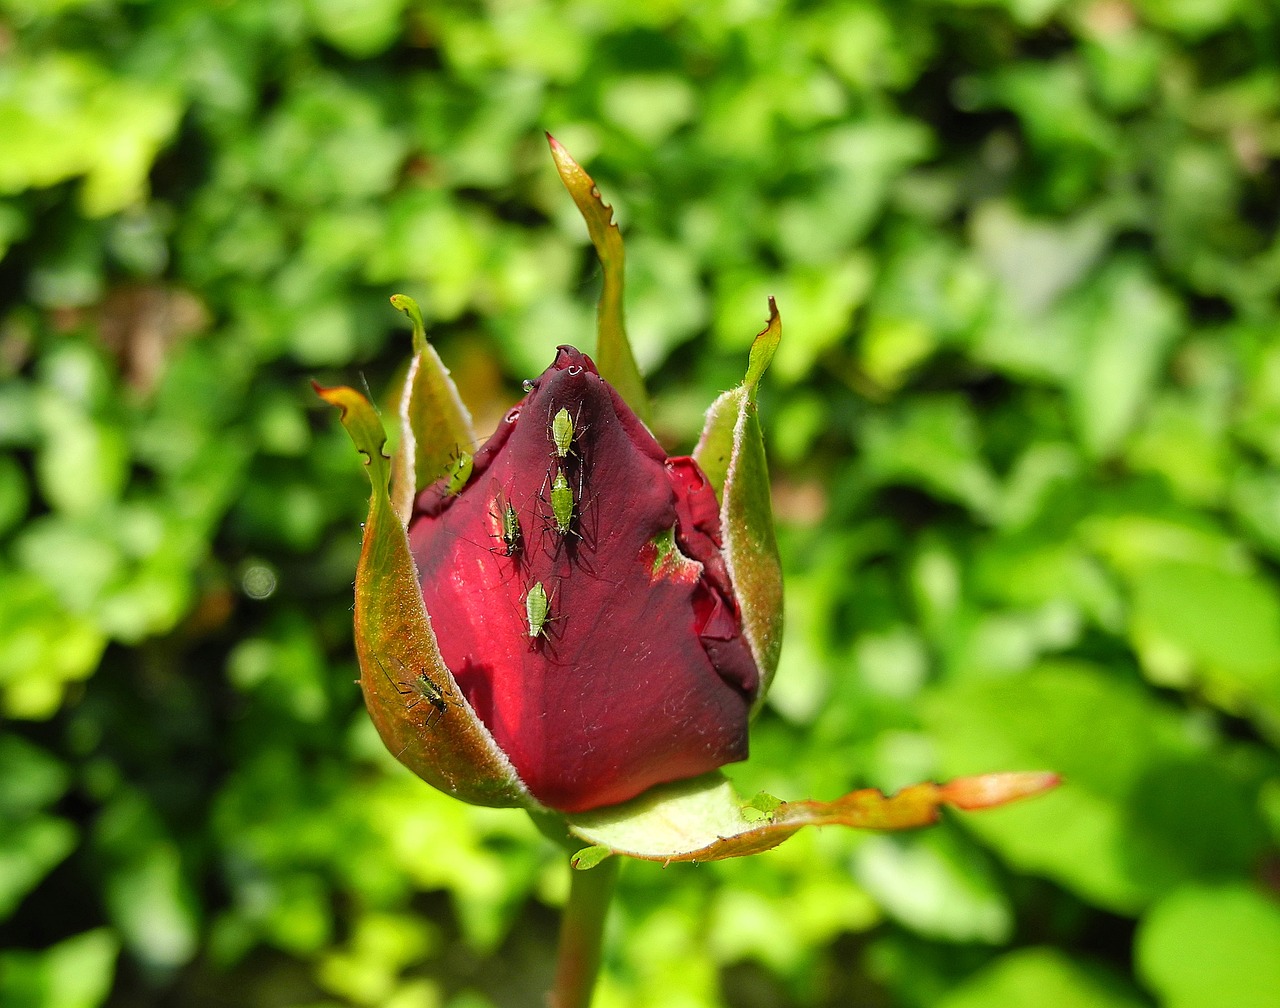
x=643 y=676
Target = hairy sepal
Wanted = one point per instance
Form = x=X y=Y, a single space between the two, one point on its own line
x=433 y=422
x=450 y=749
x=731 y=453
x=703 y=820
x=614 y=358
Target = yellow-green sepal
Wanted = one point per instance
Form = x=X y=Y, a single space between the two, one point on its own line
x=731 y=454
x=443 y=742
x=613 y=357
x=703 y=820
x=435 y=426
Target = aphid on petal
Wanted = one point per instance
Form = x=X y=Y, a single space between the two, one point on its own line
x=458 y=473
x=537 y=607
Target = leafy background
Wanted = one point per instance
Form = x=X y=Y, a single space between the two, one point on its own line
x=1025 y=424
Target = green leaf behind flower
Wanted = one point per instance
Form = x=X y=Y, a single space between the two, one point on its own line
x=412 y=697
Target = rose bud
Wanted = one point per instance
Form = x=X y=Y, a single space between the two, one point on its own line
x=570 y=622
x=580 y=598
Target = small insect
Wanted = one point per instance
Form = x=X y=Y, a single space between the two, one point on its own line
x=562 y=503
x=431 y=693
x=422 y=687
x=512 y=537
x=564 y=430
x=458 y=472
x=537 y=609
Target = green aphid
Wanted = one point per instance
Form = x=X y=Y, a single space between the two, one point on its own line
x=562 y=431
x=537 y=609
x=562 y=503
x=511 y=534
x=459 y=471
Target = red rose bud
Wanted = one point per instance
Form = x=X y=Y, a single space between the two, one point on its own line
x=577 y=590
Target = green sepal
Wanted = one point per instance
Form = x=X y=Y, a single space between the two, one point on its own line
x=588 y=858
x=703 y=820
x=614 y=358
x=435 y=426
x=447 y=747
x=731 y=454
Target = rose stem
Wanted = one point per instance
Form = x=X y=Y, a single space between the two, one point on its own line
x=582 y=934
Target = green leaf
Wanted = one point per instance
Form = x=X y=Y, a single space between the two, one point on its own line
x=1123 y=327
x=75 y=973
x=702 y=819
x=614 y=358
x=1212 y=948
x=435 y=426
x=32 y=780
x=30 y=848
x=936 y=883
x=426 y=723
x=1040 y=976
x=65 y=115
x=1199 y=624
x=731 y=454
x=43 y=647
x=1142 y=807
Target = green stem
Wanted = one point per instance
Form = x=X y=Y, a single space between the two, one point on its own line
x=582 y=934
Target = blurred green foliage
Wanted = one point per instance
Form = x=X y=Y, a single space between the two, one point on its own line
x=1025 y=422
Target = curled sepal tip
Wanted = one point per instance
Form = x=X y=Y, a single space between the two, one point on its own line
x=409 y=307
x=731 y=453
x=588 y=858
x=762 y=349
x=702 y=819
x=362 y=424
x=412 y=697
x=614 y=357
x=435 y=426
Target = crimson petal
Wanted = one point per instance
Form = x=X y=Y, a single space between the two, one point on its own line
x=640 y=675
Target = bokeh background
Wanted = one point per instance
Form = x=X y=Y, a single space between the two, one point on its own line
x=1024 y=424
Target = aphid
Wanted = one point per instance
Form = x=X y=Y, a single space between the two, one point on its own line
x=429 y=692
x=458 y=472
x=562 y=503
x=537 y=609
x=562 y=432
x=565 y=429
x=512 y=537
x=422 y=686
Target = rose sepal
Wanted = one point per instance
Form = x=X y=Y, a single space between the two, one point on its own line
x=614 y=357
x=731 y=454
x=434 y=424
x=412 y=697
x=703 y=820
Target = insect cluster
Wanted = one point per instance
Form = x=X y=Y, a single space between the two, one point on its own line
x=565 y=512
x=561 y=517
